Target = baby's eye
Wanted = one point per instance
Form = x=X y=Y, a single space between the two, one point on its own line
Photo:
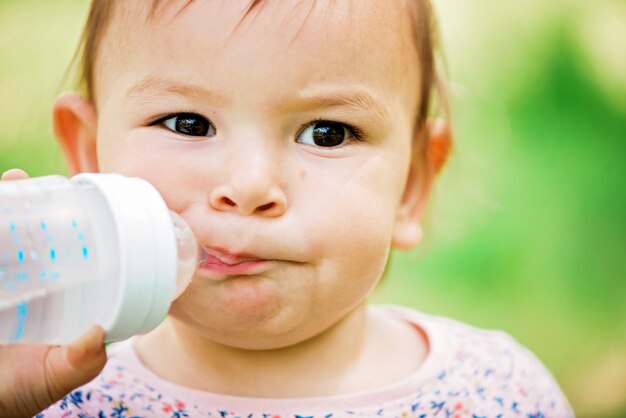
x=190 y=124
x=328 y=134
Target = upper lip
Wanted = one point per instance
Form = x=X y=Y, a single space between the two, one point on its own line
x=231 y=258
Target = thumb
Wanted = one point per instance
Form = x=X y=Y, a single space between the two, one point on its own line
x=71 y=366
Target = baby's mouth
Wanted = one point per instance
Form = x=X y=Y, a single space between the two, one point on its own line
x=226 y=257
x=220 y=263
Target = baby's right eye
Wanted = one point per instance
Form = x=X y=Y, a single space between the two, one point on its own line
x=190 y=124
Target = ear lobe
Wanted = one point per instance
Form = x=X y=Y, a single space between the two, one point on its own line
x=74 y=122
x=424 y=166
x=407 y=233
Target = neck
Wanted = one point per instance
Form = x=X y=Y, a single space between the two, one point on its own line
x=330 y=361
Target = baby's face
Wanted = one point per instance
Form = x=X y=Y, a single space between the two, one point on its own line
x=284 y=141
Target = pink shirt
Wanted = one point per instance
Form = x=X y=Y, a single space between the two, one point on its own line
x=468 y=372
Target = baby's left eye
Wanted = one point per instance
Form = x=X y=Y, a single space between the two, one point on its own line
x=327 y=134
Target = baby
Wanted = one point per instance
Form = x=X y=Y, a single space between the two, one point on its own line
x=295 y=139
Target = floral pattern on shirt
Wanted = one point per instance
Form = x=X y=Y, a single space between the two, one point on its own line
x=489 y=376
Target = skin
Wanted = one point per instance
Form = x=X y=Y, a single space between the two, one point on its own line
x=325 y=218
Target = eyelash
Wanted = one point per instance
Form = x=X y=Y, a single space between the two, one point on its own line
x=356 y=132
x=160 y=119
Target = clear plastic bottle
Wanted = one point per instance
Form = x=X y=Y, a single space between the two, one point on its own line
x=95 y=249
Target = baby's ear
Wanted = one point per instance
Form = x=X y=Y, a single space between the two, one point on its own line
x=74 y=122
x=423 y=169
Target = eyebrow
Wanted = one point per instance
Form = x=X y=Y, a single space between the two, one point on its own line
x=358 y=98
x=157 y=86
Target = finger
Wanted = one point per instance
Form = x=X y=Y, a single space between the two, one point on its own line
x=74 y=365
x=14 y=174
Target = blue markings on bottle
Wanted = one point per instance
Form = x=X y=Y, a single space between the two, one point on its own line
x=43 y=225
x=53 y=254
x=74 y=224
x=20 y=256
x=20 y=319
x=85 y=252
x=12 y=226
x=21 y=276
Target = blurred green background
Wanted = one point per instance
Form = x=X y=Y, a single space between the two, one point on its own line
x=525 y=232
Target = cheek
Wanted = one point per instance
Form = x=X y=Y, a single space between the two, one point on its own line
x=170 y=168
x=355 y=207
x=131 y=153
x=351 y=225
x=350 y=237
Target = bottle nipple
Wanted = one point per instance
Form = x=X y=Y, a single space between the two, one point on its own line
x=188 y=253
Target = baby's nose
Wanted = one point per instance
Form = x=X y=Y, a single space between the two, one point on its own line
x=249 y=192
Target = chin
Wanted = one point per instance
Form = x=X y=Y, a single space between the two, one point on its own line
x=245 y=314
x=258 y=344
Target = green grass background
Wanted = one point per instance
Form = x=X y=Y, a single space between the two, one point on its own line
x=526 y=229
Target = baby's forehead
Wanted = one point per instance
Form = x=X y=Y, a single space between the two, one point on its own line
x=325 y=19
x=289 y=17
x=330 y=37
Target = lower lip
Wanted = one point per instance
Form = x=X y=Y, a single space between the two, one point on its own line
x=247 y=267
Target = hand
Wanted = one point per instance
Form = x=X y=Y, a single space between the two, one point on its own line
x=34 y=376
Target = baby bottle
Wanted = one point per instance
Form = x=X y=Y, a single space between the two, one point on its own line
x=94 y=249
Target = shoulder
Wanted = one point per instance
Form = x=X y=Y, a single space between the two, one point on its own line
x=462 y=347
x=487 y=369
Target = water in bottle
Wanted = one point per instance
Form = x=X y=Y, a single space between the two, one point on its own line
x=95 y=249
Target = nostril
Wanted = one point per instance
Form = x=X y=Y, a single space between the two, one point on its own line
x=266 y=206
x=228 y=201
